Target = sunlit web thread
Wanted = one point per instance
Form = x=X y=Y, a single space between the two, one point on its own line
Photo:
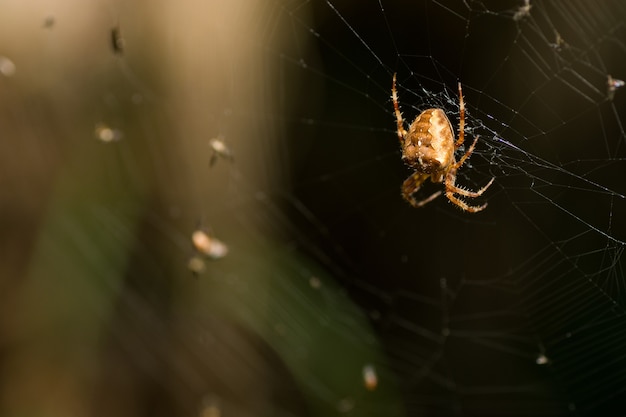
x=356 y=34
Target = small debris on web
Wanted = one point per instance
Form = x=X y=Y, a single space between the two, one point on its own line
x=523 y=11
x=559 y=42
x=345 y=405
x=370 y=378
x=196 y=265
x=219 y=150
x=7 y=67
x=210 y=407
x=107 y=134
x=612 y=85
x=49 y=22
x=208 y=246
x=315 y=283
x=117 y=42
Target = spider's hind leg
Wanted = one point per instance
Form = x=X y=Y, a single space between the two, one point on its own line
x=451 y=176
x=411 y=185
x=462 y=204
x=467 y=193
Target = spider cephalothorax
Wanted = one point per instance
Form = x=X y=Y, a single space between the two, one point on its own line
x=428 y=147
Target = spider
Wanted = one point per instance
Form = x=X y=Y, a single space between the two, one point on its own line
x=428 y=148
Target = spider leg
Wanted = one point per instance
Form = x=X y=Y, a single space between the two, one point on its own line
x=462 y=204
x=451 y=177
x=411 y=185
x=467 y=193
x=461 y=138
x=396 y=107
x=452 y=189
x=469 y=152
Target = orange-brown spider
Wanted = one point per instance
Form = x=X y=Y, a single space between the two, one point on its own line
x=428 y=148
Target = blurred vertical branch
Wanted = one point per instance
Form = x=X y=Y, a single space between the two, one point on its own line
x=100 y=316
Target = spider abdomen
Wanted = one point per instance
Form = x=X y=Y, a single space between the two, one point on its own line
x=429 y=143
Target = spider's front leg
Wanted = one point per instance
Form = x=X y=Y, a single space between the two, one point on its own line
x=396 y=107
x=411 y=185
x=461 y=138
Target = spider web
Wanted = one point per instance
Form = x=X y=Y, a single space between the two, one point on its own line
x=527 y=316
x=335 y=297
